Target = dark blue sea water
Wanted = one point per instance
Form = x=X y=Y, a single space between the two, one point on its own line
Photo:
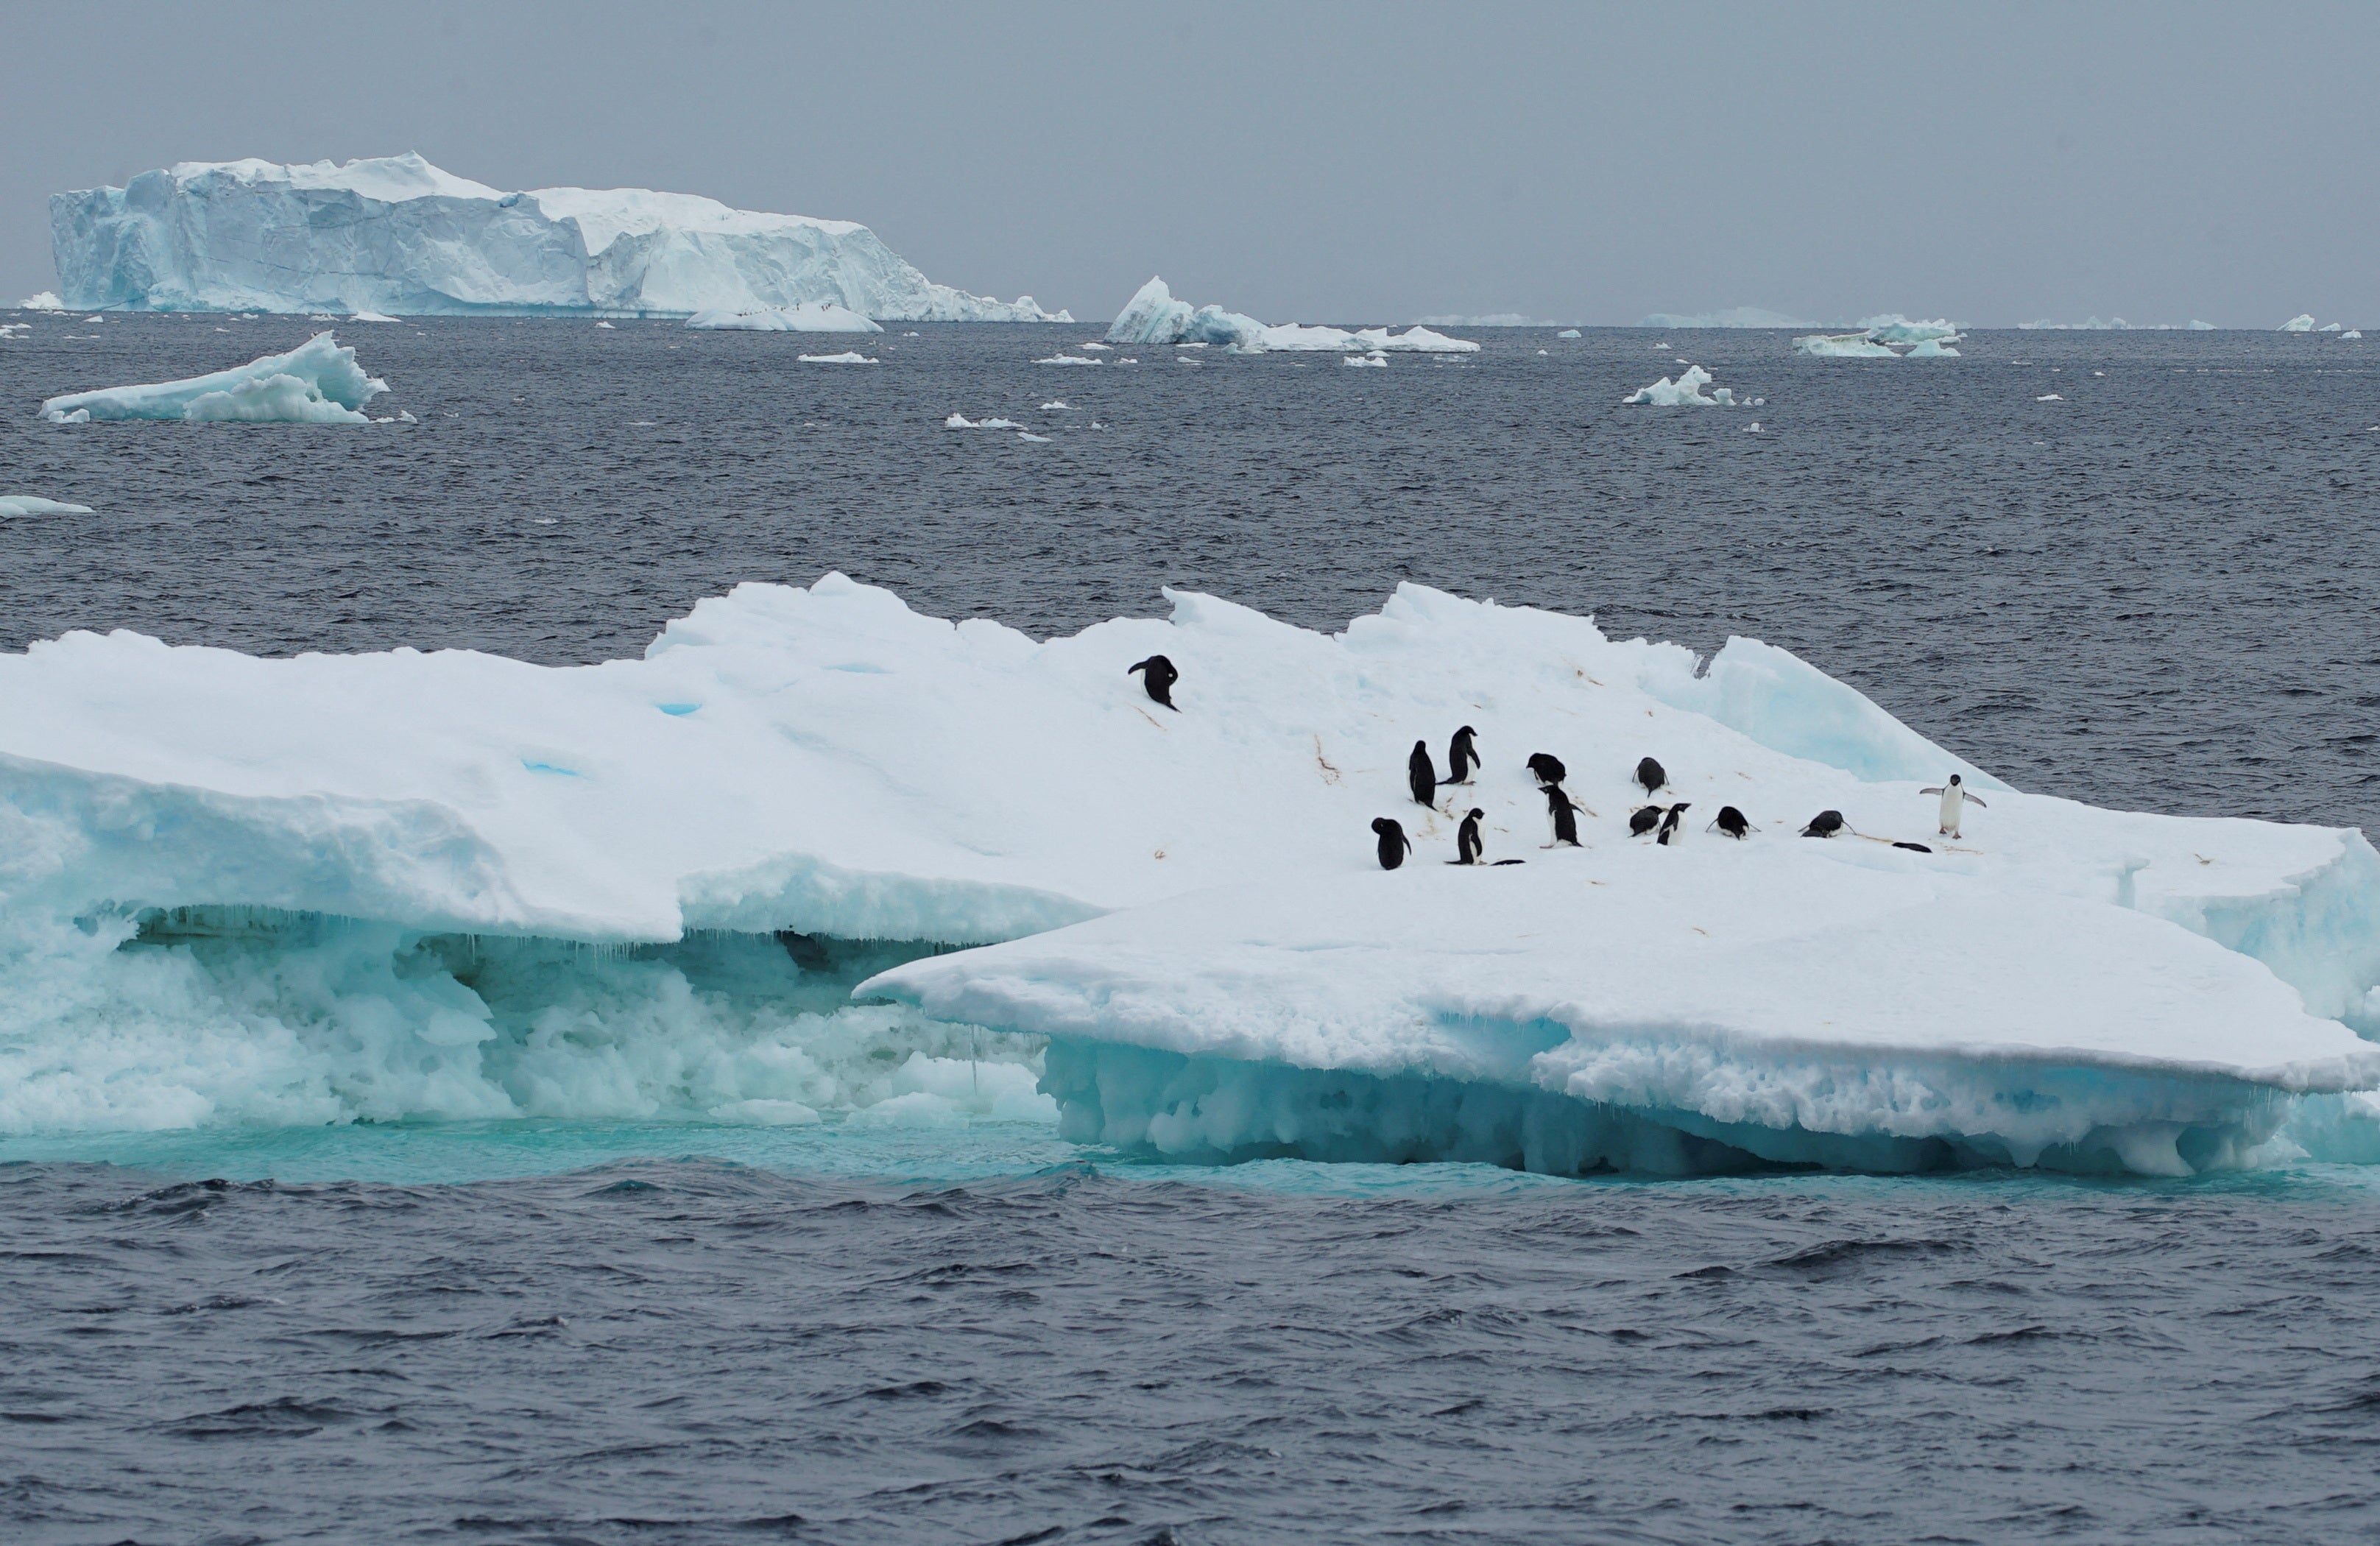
x=2154 y=591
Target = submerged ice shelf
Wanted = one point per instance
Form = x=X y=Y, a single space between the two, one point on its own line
x=1187 y=903
x=398 y=234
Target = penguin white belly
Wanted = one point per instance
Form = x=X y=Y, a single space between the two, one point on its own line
x=1954 y=804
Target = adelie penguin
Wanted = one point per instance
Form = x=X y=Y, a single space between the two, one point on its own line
x=1955 y=801
x=1563 y=813
x=1826 y=823
x=1670 y=824
x=1158 y=676
x=1644 y=820
x=1394 y=843
x=1421 y=775
x=1652 y=775
x=1731 y=823
x=1468 y=846
x=1547 y=767
x=1462 y=756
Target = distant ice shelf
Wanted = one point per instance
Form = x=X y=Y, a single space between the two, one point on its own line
x=317 y=382
x=1734 y=316
x=1153 y=316
x=398 y=236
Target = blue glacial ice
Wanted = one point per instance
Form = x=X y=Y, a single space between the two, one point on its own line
x=1153 y=316
x=317 y=382
x=400 y=235
x=399 y=886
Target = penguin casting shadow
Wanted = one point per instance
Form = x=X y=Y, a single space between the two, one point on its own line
x=1394 y=843
x=1421 y=775
x=1158 y=676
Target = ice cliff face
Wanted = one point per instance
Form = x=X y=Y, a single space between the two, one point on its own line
x=398 y=234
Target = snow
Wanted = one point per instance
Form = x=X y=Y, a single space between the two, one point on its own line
x=1153 y=316
x=397 y=235
x=1686 y=391
x=46 y=300
x=1734 y=316
x=808 y=317
x=30 y=505
x=2301 y=323
x=317 y=382
x=849 y=357
x=613 y=846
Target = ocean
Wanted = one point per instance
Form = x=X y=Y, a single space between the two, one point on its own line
x=2152 y=590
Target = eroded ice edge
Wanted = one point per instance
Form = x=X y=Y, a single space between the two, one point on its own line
x=1153 y=316
x=730 y=881
x=397 y=235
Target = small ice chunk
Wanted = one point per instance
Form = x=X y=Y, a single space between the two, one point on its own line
x=404 y=417
x=30 y=505
x=1025 y=434
x=2301 y=323
x=2350 y=332
x=1095 y=346
x=2049 y=397
x=1544 y=351
x=846 y=357
x=602 y=325
x=1685 y=392
x=1072 y=360
x=1046 y=407
x=1753 y=428
x=959 y=421
x=46 y=300
x=358 y=317
x=1568 y=333
x=1363 y=360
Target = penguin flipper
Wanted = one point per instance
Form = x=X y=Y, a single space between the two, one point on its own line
x=1935 y=790
x=1975 y=800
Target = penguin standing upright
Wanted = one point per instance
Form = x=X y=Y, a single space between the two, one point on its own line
x=1466 y=838
x=1955 y=801
x=1462 y=756
x=1421 y=775
x=1669 y=828
x=1547 y=767
x=1394 y=843
x=1563 y=814
x=1652 y=775
x=1157 y=676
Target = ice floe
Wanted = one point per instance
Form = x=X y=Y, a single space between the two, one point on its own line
x=961 y=422
x=398 y=234
x=317 y=382
x=31 y=504
x=329 y=887
x=1153 y=316
x=372 y=317
x=849 y=357
x=809 y=317
x=1077 y=359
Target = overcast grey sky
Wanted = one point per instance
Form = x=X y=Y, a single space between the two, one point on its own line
x=1350 y=162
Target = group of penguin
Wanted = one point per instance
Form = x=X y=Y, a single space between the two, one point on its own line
x=1158 y=675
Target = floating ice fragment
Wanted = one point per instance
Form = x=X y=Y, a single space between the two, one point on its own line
x=959 y=421
x=2328 y=327
x=317 y=382
x=1753 y=428
x=16 y=330
x=46 y=300
x=29 y=504
x=1364 y=359
x=846 y=357
x=2301 y=323
x=1094 y=346
x=1075 y=359
x=370 y=317
x=1153 y=316
x=1685 y=392
x=1062 y=407
x=2049 y=397
x=404 y=417
x=602 y=325
x=2350 y=332
x=1568 y=333
x=1023 y=434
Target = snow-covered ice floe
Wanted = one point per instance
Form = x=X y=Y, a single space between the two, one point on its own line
x=848 y=357
x=317 y=382
x=1686 y=391
x=1153 y=316
x=30 y=505
x=809 y=316
x=405 y=885
x=396 y=235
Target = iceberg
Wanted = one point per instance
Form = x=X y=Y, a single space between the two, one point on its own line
x=2301 y=323
x=47 y=300
x=1568 y=333
x=1894 y=328
x=1153 y=316
x=317 y=382
x=1686 y=391
x=1919 y=340
x=2350 y=332
x=1842 y=345
x=1734 y=316
x=29 y=504
x=809 y=316
x=397 y=235
x=336 y=888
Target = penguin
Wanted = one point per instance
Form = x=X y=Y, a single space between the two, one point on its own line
x=1563 y=813
x=1159 y=678
x=1731 y=822
x=1652 y=775
x=1466 y=838
x=1955 y=800
x=1645 y=819
x=1826 y=823
x=1669 y=823
x=1462 y=756
x=1421 y=775
x=1394 y=843
x=1547 y=767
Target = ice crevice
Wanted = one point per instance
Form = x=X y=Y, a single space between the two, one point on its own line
x=1184 y=906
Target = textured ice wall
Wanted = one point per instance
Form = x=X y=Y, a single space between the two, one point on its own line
x=397 y=235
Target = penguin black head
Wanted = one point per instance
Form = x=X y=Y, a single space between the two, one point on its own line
x=1388 y=828
x=1476 y=814
x=1669 y=823
x=1954 y=779
x=1644 y=820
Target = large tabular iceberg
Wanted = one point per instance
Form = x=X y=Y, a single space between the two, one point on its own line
x=327 y=887
x=317 y=382
x=1153 y=316
x=398 y=234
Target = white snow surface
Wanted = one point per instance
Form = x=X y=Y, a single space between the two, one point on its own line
x=317 y=382
x=809 y=317
x=396 y=235
x=31 y=504
x=1153 y=316
x=814 y=759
